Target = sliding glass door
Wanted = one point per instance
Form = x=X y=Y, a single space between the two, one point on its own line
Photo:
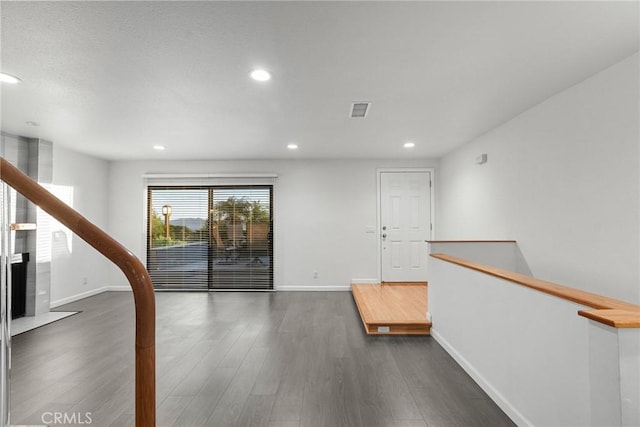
x=203 y=238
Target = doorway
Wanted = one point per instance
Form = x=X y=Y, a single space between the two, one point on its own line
x=210 y=237
x=405 y=212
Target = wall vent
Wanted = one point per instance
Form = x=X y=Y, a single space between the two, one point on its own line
x=360 y=109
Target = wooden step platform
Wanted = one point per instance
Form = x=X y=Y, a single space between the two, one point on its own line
x=393 y=308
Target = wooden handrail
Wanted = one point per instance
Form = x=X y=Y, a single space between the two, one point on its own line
x=610 y=311
x=144 y=298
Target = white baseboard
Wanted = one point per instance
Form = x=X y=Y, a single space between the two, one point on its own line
x=123 y=288
x=313 y=288
x=494 y=394
x=365 y=281
x=73 y=298
x=285 y=288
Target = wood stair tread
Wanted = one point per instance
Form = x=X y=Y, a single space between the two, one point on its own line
x=392 y=309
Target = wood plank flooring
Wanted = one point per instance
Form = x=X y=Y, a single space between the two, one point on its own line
x=393 y=309
x=285 y=359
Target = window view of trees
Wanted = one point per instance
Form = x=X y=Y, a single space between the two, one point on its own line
x=229 y=213
x=178 y=234
x=210 y=237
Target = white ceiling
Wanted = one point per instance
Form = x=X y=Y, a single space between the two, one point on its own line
x=112 y=79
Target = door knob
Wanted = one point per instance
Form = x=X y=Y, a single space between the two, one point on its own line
x=384 y=236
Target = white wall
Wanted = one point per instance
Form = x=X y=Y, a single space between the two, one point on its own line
x=529 y=351
x=88 y=177
x=321 y=211
x=505 y=335
x=563 y=180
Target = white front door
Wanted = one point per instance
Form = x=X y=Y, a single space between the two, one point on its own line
x=405 y=222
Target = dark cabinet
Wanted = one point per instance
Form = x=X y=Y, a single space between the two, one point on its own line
x=19 y=284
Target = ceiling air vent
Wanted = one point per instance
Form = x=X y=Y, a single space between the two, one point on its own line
x=360 y=109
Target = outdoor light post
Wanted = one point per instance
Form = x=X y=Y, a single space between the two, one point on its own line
x=166 y=211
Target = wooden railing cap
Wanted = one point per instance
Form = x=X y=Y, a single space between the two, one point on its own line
x=613 y=317
x=609 y=311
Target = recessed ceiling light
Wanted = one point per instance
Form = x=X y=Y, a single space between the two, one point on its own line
x=159 y=147
x=292 y=146
x=8 y=78
x=409 y=145
x=260 y=75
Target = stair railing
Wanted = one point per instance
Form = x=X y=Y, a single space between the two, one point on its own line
x=145 y=366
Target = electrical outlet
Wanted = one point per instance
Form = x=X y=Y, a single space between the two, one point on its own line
x=85 y=281
x=315 y=274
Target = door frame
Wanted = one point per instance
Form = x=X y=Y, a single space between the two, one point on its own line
x=379 y=172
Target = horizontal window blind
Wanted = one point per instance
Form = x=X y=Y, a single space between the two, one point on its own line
x=210 y=237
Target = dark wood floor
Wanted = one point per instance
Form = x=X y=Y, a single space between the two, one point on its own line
x=243 y=359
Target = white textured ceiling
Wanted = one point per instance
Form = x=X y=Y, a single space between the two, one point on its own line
x=112 y=79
